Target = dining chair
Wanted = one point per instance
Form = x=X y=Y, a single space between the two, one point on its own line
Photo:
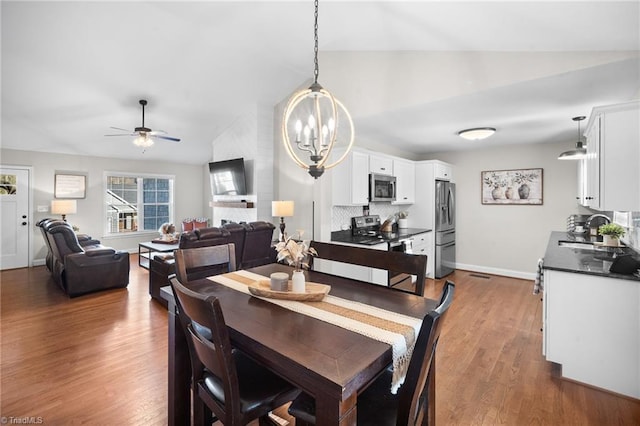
x=226 y=384
x=201 y=262
x=397 y=262
x=414 y=404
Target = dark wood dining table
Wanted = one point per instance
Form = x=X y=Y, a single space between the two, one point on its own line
x=329 y=362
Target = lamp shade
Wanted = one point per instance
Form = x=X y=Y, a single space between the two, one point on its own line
x=64 y=206
x=282 y=208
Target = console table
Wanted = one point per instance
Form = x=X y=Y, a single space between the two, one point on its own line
x=147 y=249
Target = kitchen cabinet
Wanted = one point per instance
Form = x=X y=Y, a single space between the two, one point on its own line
x=423 y=244
x=350 y=180
x=442 y=171
x=591 y=327
x=405 y=173
x=612 y=175
x=380 y=164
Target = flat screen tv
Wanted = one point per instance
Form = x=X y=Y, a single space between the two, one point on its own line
x=228 y=177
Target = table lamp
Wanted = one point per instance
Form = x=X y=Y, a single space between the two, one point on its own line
x=64 y=207
x=282 y=209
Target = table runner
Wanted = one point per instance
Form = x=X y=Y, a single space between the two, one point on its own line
x=398 y=330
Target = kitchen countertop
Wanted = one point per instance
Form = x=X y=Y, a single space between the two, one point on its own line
x=584 y=261
x=402 y=233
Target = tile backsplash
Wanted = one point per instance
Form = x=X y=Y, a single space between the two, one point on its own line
x=341 y=215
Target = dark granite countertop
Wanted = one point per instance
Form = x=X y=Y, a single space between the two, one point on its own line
x=584 y=260
x=346 y=237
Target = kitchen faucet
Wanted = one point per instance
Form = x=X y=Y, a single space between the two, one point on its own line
x=587 y=224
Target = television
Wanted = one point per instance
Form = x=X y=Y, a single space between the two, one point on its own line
x=228 y=177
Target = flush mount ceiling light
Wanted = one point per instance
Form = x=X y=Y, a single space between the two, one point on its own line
x=580 y=151
x=477 y=133
x=325 y=117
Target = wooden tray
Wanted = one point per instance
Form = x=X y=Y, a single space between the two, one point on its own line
x=314 y=292
x=159 y=241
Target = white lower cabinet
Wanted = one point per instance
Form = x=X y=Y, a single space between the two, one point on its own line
x=592 y=328
x=423 y=244
x=356 y=272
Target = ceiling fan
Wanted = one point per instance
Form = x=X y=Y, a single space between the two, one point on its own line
x=145 y=135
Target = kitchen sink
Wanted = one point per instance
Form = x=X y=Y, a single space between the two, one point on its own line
x=576 y=244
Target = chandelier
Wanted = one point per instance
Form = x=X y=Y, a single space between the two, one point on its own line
x=312 y=120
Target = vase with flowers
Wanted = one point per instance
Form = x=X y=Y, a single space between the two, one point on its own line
x=296 y=253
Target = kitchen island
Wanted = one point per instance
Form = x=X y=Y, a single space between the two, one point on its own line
x=591 y=317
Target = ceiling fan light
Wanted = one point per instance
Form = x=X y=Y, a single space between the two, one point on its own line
x=143 y=141
x=477 y=133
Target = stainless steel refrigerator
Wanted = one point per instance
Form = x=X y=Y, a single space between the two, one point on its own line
x=445 y=218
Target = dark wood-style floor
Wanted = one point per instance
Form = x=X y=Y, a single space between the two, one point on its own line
x=101 y=359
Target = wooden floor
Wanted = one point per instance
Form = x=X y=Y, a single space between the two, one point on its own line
x=101 y=359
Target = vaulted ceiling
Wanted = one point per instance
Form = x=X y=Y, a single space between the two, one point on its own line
x=411 y=73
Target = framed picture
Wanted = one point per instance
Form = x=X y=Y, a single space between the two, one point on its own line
x=522 y=186
x=70 y=186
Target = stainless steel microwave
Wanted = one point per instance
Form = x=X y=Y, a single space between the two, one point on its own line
x=382 y=187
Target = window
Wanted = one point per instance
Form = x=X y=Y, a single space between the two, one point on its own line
x=137 y=203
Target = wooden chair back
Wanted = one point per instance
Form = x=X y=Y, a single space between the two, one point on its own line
x=414 y=264
x=195 y=263
x=210 y=349
x=415 y=403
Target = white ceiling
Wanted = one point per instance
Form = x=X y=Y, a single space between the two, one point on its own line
x=411 y=73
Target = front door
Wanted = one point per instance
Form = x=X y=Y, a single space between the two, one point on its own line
x=14 y=216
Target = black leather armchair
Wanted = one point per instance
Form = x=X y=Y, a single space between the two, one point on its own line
x=78 y=270
x=84 y=240
x=257 y=245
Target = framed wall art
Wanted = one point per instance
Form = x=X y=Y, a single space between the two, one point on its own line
x=70 y=186
x=520 y=187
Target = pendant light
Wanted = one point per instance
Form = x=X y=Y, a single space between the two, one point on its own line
x=580 y=151
x=312 y=120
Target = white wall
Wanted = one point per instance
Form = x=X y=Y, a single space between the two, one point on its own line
x=189 y=186
x=249 y=137
x=509 y=239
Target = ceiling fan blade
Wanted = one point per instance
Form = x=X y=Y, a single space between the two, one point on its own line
x=120 y=128
x=169 y=138
x=155 y=132
x=124 y=134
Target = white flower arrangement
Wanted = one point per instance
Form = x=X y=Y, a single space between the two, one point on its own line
x=295 y=253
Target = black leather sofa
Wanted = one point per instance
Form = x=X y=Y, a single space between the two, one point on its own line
x=252 y=245
x=79 y=269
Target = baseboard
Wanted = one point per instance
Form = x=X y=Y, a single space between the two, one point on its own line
x=497 y=271
x=39 y=262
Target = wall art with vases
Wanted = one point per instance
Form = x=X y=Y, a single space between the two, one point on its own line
x=520 y=186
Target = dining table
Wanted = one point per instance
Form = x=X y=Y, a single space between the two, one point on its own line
x=329 y=362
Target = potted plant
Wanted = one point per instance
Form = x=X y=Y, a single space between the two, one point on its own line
x=611 y=233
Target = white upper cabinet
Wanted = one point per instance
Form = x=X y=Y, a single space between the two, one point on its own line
x=380 y=164
x=613 y=158
x=350 y=180
x=405 y=173
x=442 y=171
